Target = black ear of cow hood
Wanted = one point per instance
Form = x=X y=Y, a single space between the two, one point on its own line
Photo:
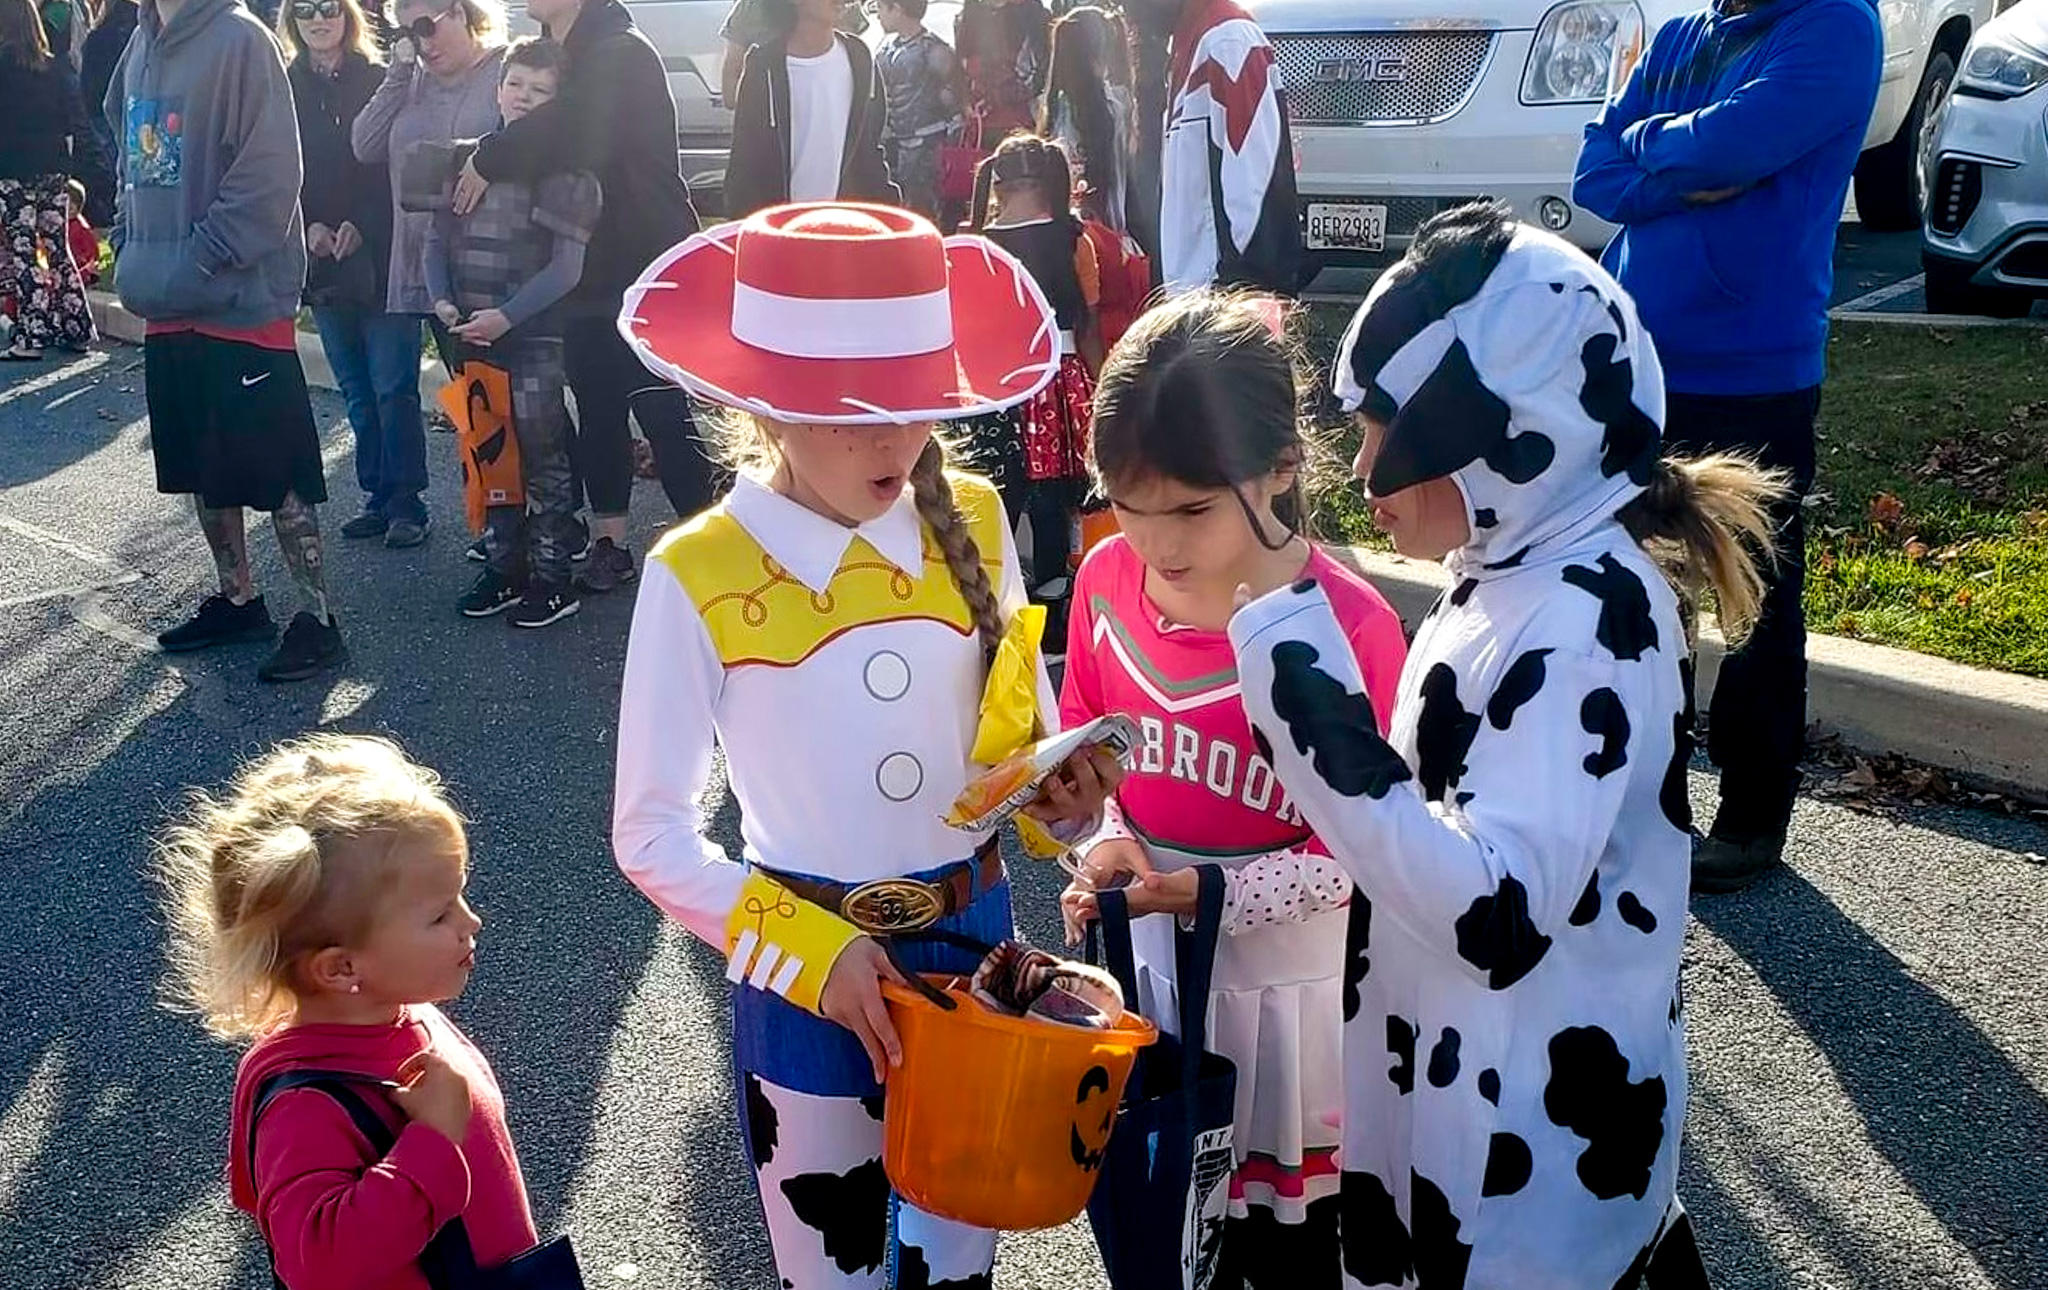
x=1464 y=246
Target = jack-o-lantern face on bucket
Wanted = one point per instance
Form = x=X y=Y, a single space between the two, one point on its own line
x=1094 y=1088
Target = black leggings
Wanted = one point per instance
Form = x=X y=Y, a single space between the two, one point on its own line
x=609 y=382
x=1756 y=727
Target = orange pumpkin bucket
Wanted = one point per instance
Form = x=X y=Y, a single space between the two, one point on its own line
x=1000 y=1122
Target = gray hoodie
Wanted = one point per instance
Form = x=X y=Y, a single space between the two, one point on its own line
x=207 y=229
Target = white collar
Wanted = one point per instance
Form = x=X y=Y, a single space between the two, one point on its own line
x=811 y=546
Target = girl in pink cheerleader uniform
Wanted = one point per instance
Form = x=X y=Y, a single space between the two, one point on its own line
x=1198 y=450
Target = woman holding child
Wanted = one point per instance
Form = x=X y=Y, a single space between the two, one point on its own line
x=442 y=85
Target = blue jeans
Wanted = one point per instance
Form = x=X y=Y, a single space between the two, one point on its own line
x=376 y=361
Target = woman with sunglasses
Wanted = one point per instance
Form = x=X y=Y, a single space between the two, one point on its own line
x=442 y=85
x=346 y=203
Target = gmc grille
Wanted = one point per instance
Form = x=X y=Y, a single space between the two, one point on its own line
x=1380 y=77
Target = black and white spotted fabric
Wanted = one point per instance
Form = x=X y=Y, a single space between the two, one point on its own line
x=1515 y=1061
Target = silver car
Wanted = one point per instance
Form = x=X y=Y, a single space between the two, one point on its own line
x=1986 y=249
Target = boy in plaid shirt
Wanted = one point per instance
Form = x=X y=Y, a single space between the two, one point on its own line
x=495 y=275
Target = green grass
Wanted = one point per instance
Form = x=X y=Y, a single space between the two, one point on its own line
x=1929 y=528
x=1928 y=525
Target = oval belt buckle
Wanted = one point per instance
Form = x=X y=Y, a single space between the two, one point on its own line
x=891 y=906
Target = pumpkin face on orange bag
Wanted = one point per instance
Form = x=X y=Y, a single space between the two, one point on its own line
x=479 y=402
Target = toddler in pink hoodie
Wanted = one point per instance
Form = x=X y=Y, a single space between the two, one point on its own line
x=318 y=909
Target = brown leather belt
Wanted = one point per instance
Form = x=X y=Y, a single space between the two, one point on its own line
x=894 y=906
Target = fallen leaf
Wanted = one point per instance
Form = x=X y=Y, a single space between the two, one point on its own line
x=1886 y=510
x=1915 y=550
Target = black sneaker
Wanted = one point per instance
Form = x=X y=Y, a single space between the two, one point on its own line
x=220 y=621
x=1722 y=864
x=491 y=593
x=606 y=568
x=542 y=605
x=582 y=545
x=476 y=551
x=309 y=648
x=367 y=525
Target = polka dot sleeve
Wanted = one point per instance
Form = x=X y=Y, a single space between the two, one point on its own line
x=1282 y=887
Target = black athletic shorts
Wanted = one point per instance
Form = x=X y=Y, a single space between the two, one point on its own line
x=230 y=421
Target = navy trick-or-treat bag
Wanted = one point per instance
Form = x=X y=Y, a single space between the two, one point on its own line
x=448 y=1263
x=1159 y=1204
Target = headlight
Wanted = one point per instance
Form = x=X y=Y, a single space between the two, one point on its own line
x=1583 y=51
x=2001 y=68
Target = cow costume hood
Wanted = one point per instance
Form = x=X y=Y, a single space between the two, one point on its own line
x=1513 y=364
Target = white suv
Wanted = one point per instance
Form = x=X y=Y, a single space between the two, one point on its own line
x=1403 y=108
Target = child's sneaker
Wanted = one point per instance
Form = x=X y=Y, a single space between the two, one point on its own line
x=476 y=552
x=491 y=593
x=542 y=605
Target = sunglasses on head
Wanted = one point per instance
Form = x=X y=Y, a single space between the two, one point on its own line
x=307 y=10
x=423 y=28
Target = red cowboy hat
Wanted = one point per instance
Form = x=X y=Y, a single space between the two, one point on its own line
x=843 y=314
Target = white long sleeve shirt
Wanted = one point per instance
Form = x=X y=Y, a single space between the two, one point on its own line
x=837 y=671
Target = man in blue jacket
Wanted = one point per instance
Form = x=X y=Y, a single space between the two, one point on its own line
x=1726 y=159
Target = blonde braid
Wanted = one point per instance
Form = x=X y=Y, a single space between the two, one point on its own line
x=933 y=497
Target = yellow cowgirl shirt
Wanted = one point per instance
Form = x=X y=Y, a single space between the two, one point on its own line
x=839 y=670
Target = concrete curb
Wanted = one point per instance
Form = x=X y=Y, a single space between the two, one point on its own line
x=1950 y=321
x=116 y=323
x=1987 y=728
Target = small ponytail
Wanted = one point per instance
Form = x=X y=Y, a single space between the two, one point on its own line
x=1711 y=518
x=933 y=496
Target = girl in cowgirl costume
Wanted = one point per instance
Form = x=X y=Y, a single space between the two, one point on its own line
x=849 y=625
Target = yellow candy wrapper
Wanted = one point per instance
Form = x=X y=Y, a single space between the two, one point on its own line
x=999 y=792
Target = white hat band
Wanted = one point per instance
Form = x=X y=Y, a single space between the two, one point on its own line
x=807 y=327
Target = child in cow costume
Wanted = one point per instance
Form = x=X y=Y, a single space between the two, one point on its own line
x=849 y=626
x=1514 y=1043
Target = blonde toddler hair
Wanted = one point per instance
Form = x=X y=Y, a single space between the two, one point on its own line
x=288 y=862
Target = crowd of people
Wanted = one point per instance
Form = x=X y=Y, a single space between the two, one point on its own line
x=1455 y=871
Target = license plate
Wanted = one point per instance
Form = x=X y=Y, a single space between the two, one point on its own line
x=1344 y=226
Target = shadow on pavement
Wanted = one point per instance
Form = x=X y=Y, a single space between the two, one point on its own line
x=64 y=395
x=125 y=1104
x=1960 y=1123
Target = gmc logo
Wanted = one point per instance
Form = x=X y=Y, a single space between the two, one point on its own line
x=1362 y=70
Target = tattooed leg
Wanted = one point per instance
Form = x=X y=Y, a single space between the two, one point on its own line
x=229 y=542
x=298 y=536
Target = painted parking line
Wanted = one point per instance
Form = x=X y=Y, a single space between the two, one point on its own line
x=68 y=372
x=1870 y=300
x=85 y=598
